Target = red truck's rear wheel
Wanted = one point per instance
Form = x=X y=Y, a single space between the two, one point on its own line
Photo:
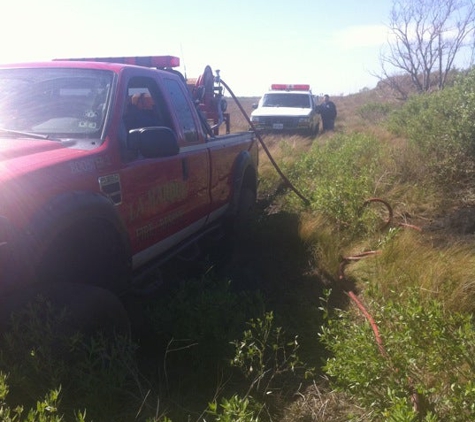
x=237 y=223
x=246 y=204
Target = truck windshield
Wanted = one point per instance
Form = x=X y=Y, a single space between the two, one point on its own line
x=57 y=102
x=286 y=100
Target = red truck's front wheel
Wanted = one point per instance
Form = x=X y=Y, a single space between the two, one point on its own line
x=83 y=241
x=69 y=307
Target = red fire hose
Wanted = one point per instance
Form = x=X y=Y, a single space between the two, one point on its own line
x=415 y=397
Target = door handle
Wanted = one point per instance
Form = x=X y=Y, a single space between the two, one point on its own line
x=184 y=168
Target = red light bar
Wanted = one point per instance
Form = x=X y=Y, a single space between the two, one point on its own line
x=146 y=61
x=290 y=87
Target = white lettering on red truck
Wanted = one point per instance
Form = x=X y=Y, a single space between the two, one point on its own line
x=90 y=165
x=156 y=198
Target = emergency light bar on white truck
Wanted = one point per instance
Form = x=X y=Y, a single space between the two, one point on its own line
x=290 y=87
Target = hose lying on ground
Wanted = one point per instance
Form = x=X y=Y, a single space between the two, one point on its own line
x=415 y=397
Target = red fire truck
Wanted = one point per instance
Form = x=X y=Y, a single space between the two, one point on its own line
x=109 y=163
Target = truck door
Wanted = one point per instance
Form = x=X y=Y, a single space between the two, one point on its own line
x=164 y=199
x=194 y=152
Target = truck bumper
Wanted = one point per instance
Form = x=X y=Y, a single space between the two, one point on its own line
x=287 y=125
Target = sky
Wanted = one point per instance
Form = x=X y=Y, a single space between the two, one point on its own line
x=332 y=45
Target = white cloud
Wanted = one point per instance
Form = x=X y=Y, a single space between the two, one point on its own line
x=361 y=36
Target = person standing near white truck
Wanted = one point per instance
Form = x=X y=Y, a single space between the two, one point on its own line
x=327 y=110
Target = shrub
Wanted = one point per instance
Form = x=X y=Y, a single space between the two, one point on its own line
x=236 y=409
x=264 y=354
x=442 y=125
x=44 y=411
x=338 y=178
x=267 y=358
x=428 y=372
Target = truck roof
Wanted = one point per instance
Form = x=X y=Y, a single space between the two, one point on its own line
x=77 y=64
x=110 y=63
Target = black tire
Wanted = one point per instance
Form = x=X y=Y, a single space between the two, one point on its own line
x=245 y=208
x=237 y=221
x=84 y=242
x=89 y=254
x=236 y=225
x=86 y=309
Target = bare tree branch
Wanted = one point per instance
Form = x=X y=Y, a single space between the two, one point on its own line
x=426 y=37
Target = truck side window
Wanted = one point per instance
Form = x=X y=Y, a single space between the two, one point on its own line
x=145 y=105
x=182 y=108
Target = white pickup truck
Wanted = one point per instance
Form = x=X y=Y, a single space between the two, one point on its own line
x=290 y=108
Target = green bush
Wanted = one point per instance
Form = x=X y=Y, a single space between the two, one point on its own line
x=429 y=359
x=44 y=411
x=442 y=125
x=265 y=355
x=195 y=327
x=267 y=359
x=236 y=409
x=338 y=178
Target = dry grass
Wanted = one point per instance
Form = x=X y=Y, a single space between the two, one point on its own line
x=319 y=404
x=445 y=272
x=316 y=231
x=238 y=121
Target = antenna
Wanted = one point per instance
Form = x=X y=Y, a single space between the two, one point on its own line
x=184 y=63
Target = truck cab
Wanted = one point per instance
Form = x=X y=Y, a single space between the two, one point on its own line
x=287 y=108
x=107 y=164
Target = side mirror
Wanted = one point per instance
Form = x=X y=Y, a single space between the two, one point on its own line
x=153 y=142
x=254 y=105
